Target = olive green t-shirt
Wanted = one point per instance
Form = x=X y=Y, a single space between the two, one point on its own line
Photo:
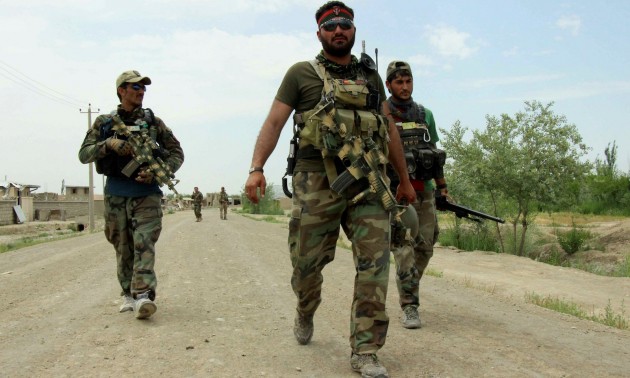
x=301 y=89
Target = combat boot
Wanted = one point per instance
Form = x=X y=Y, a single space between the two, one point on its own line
x=127 y=303
x=368 y=365
x=411 y=318
x=144 y=307
x=303 y=328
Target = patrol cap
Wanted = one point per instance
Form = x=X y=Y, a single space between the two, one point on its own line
x=132 y=76
x=397 y=66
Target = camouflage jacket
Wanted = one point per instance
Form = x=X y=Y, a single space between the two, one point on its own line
x=93 y=147
x=223 y=197
x=197 y=198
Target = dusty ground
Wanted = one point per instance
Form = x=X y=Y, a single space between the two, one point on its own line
x=225 y=309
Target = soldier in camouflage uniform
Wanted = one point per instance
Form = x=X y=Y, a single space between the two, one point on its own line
x=197 y=199
x=318 y=211
x=224 y=201
x=425 y=163
x=133 y=211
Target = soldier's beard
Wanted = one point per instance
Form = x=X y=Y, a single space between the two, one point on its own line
x=338 y=51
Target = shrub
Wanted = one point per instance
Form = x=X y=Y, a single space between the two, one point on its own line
x=469 y=237
x=573 y=240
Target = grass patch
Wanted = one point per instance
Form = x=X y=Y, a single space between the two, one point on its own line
x=623 y=270
x=469 y=283
x=566 y=219
x=609 y=317
x=265 y=218
x=29 y=241
x=470 y=237
x=434 y=273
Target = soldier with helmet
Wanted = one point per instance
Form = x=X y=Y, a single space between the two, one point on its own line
x=425 y=163
x=343 y=144
x=133 y=199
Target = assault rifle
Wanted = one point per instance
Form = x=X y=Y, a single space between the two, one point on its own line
x=143 y=146
x=363 y=163
x=441 y=203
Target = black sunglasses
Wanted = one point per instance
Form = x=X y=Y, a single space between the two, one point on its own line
x=137 y=87
x=331 y=25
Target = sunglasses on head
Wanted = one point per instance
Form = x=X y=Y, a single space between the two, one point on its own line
x=137 y=87
x=331 y=25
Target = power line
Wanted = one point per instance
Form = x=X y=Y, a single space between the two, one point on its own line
x=35 y=86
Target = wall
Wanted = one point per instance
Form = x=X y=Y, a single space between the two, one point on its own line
x=72 y=209
x=6 y=212
x=69 y=209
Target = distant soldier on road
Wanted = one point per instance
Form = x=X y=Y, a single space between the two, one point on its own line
x=224 y=201
x=197 y=199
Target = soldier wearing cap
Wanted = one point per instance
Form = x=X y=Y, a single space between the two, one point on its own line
x=425 y=162
x=133 y=211
x=323 y=129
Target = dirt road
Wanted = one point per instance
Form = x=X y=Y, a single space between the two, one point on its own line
x=225 y=309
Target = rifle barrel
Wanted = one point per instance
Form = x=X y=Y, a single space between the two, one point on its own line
x=463 y=211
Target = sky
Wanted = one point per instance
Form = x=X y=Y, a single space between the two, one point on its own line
x=216 y=67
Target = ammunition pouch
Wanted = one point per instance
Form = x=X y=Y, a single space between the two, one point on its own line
x=112 y=164
x=424 y=160
x=351 y=136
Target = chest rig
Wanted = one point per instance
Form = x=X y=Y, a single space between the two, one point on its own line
x=346 y=127
x=141 y=122
x=424 y=160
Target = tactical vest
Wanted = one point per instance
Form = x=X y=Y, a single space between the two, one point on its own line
x=424 y=160
x=348 y=109
x=112 y=164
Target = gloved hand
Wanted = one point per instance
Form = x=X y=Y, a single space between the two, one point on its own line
x=145 y=176
x=119 y=146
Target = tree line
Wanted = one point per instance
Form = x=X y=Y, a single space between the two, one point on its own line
x=528 y=163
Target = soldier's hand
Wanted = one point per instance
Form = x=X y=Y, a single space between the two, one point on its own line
x=145 y=176
x=405 y=191
x=254 y=181
x=119 y=146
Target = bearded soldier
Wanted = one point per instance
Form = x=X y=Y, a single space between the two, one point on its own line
x=344 y=143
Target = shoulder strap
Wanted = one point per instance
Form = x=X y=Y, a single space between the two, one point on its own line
x=149 y=117
x=422 y=113
x=321 y=72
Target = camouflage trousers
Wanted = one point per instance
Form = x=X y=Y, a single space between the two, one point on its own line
x=223 y=210
x=314 y=228
x=133 y=226
x=197 y=209
x=407 y=278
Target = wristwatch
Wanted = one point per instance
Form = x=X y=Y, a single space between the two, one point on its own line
x=256 y=169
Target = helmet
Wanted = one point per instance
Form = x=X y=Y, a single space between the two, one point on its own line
x=409 y=218
x=405 y=227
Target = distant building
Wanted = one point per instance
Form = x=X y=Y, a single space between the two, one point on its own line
x=77 y=193
x=13 y=190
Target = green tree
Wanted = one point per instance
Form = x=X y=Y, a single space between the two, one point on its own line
x=266 y=205
x=519 y=164
x=607 y=191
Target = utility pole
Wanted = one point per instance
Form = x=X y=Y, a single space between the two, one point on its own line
x=91 y=189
